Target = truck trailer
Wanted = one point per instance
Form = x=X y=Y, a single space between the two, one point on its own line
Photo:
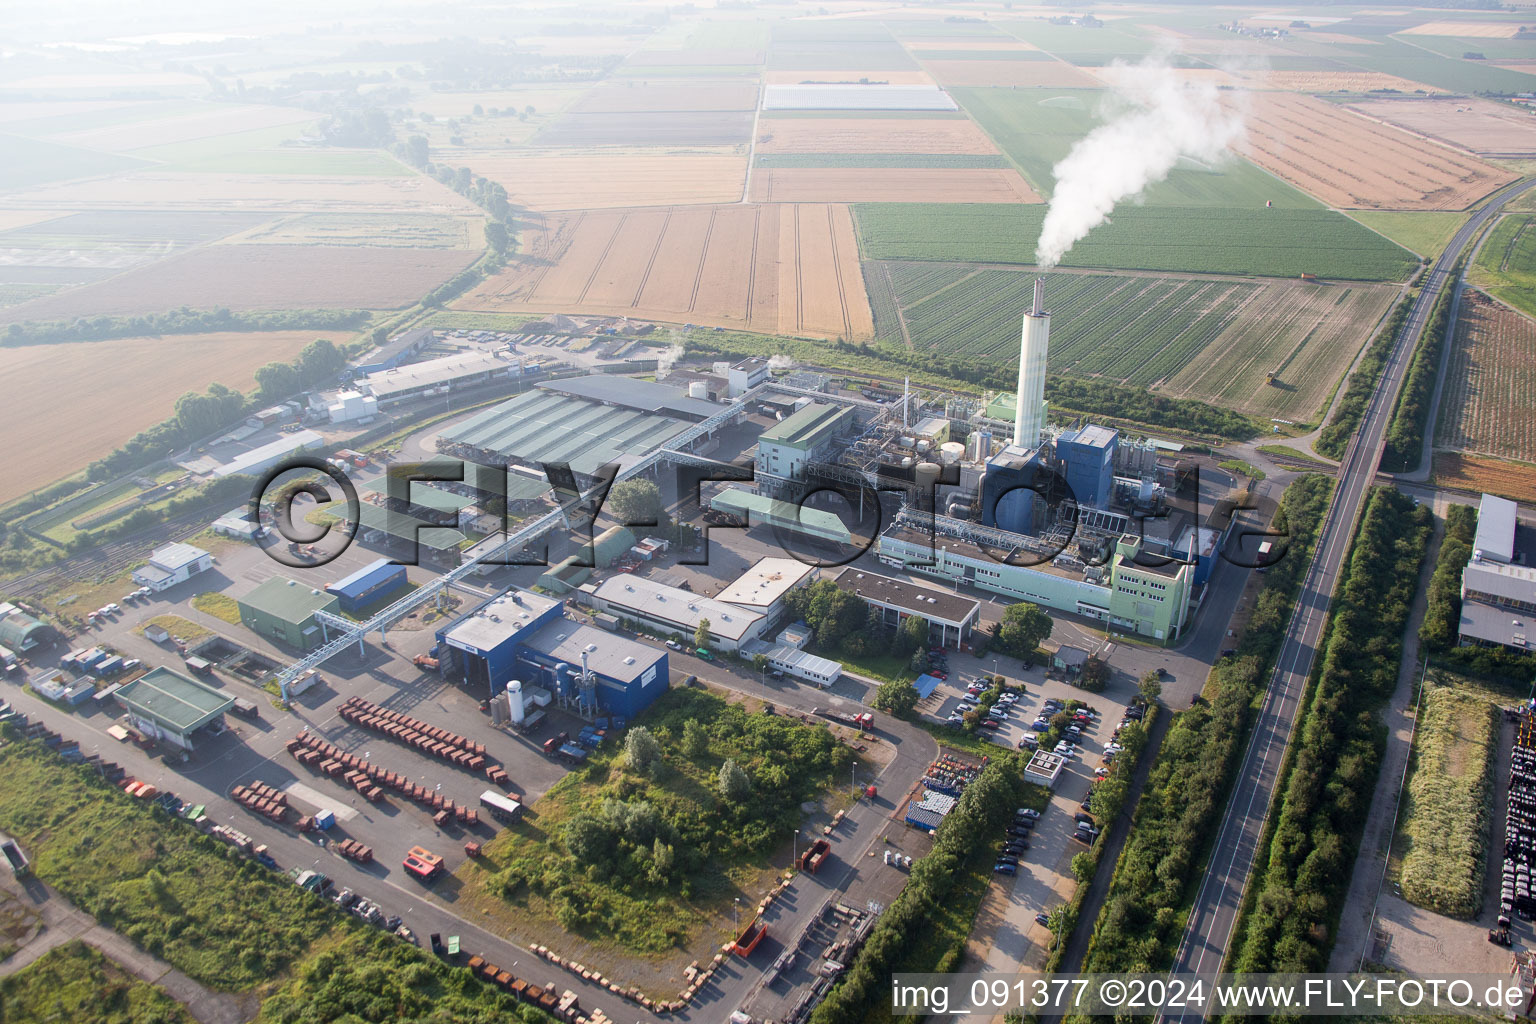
x=863 y=720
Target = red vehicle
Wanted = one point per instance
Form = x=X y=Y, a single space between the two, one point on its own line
x=423 y=864
x=862 y=720
x=554 y=743
x=425 y=661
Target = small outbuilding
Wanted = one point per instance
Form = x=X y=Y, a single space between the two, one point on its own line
x=370 y=585
x=172 y=564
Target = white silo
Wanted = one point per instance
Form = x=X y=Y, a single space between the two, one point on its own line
x=1029 y=401
x=515 y=702
x=951 y=452
x=927 y=475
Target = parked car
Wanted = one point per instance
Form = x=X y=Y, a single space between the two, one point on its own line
x=1083 y=818
x=674 y=645
x=1008 y=858
x=1043 y=918
x=1040 y=725
x=1028 y=742
x=1005 y=869
x=1027 y=812
x=991 y=723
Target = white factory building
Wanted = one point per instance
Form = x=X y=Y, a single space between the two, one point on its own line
x=763 y=587
x=170 y=565
x=670 y=610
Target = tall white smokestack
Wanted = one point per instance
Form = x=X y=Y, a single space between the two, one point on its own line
x=1029 y=407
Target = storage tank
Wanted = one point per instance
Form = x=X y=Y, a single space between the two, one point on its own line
x=564 y=684
x=927 y=474
x=951 y=452
x=698 y=389
x=515 y=701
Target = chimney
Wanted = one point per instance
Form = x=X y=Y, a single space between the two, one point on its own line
x=1039 y=297
x=1029 y=400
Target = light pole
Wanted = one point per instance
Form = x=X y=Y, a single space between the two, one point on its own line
x=736 y=915
x=793 y=837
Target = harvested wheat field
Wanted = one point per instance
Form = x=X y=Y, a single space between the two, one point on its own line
x=1331 y=81
x=74 y=402
x=870 y=135
x=889 y=185
x=1482 y=126
x=1478 y=474
x=160 y=190
x=633 y=95
x=1465 y=29
x=1350 y=161
x=1487 y=407
x=1044 y=74
x=159 y=130
x=988 y=43
x=791 y=77
x=244 y=277
x=776 y=269
x=586 y=180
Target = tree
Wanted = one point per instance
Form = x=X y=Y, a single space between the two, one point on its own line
x=1095 y=675
x=920 y=662
x=911 y=636
x=760 y=663
x=641 y=751
x=734 y=784
x=896 y=697
x=416 y=151
x=478 y=110
x=635 y=502
x=1151 y=686
x=1024 y=627
x=496 y=237
x=320 y=358
x=695 y=742
x=701 y=634
x=587 y=839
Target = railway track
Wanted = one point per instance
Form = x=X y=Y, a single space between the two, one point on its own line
x=106 y=560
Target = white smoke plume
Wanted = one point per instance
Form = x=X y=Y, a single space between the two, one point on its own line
x=780 y=362
x=665 y=361
x=1155 y=118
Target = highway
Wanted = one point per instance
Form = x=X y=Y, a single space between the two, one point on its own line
x=1209 y=930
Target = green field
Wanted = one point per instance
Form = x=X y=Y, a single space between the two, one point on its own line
x=864 y=115
x=1418 y=64
x=75 y=983
x=882 y=160
x=1036 y=133
x=1491 y=49
x=1443 y=834
x=981 y=55
x=1214 y=340
x=1279 y=243
x=1506 y=263
x=1425 y=232
x=30 y=162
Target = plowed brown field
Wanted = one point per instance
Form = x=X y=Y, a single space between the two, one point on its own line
x=889 y=185
x=1482 y=126
x=631 y=95
x=870 y=135
x=1513 y=480
x=790 y=269
x=1489 y=382
x=1350 y=161
x=585 y=180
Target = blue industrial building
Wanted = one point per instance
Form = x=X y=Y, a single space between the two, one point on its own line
x=526 y=636
x=369 y=585
x=1089 y=457
x=1007 y=501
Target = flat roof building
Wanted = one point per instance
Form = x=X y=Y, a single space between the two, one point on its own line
x=170 y=564
x=263 y=458
x=284 y=610
x=370 y=585
x=668 y=610
x=762 y=587
x=633 y=393
x=1498 y=585
x=950 y=616
x=437 y=376
x=762 y=510
x=171 y=707
x=785 y=449
x=1044 y=768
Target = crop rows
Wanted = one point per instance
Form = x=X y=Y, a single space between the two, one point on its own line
x=1489 y=383
x=1138 y=330
x=1280 y=243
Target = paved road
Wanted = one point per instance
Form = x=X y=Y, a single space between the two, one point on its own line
x=1214 y=914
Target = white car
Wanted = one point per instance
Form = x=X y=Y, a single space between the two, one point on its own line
x=674 y=645
x=1008 y=698
x=1065 y=749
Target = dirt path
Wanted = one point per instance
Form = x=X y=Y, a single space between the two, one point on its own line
x=62 y=922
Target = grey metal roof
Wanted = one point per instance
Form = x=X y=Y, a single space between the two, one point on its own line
x=1495 y=625
x=171 y=557
x=546 y=426
x=499 y=619
x=1507 y=582
x=613 y=656
x=929 y=602
x=170 y=697
x=677 y=607
x=633 y=393
x=1495 y=528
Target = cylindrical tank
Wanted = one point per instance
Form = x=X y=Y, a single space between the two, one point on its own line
x=698 y=389
x=515 y=701
x=927 y=474
x=564 y=676
x=951 y=452
x=984 y=446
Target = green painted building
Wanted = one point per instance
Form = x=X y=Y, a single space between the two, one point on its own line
x=784 y=449
x=284 y=610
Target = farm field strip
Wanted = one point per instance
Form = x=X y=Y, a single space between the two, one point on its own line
x=181 y=192
x=1475 y=473
x=1209 y=338
x=83 y=399
x=634 y=96
x=776 y=269
x=890 y=185
x=587 y=180
x=1487 y=406
x=1010 y=74
x=678 y=128
x=259 y=277
x=871 y=135
x=888 y=77
x=1350 y=161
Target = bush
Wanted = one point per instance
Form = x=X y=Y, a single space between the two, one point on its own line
x=1304 y=868
x=1154 y=879
x=1410 y=419
x=896 y=698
